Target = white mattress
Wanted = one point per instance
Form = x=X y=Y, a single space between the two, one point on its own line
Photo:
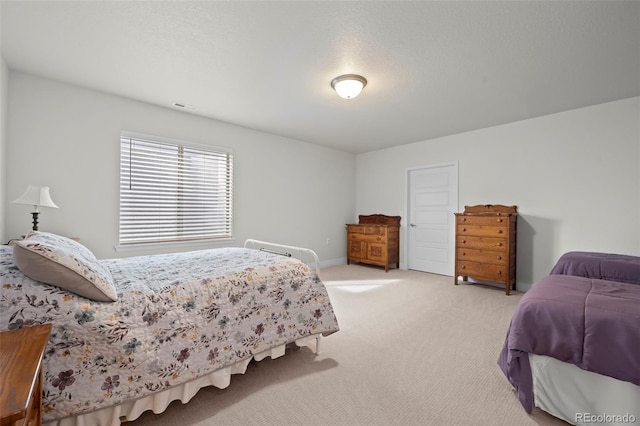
x=581 y=397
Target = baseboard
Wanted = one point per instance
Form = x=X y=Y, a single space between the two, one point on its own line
x=333 y=262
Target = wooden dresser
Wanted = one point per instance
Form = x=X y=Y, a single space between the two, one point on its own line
x=486 y=244
x=21 y=353
x=374 y=240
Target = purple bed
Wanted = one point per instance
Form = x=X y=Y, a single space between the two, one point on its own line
x=586 y=321
x=605 y=266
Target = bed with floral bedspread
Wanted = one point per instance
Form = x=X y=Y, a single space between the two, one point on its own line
x=177 y=317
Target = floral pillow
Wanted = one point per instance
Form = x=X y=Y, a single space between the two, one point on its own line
x=65 y=263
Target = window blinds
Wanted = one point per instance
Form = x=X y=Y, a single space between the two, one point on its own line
x=170 y=191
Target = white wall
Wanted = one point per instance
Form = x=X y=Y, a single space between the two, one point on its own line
x=4 y=86
x=574 y=177
x=67 y=137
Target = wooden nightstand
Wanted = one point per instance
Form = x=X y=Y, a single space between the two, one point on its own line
x=21 y=353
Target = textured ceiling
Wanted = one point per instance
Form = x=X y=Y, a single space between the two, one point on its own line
x=434 y=68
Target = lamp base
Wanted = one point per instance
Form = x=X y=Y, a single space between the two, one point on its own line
x=35 y=220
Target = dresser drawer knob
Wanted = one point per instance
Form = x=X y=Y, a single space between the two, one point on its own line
x=499 y=231
x=463 y=267
x=464 y=253
x=464 y=241
x=499 y=220
x=499 y=257
x=464 y=219
x=499 y=244
x=499 y=272
x=464 y=229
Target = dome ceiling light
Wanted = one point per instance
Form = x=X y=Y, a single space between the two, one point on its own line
x=348 y=86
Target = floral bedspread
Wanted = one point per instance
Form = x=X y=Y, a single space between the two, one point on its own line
x=178 y=317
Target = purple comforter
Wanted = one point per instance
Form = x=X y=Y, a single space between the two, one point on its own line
x=604 y=266
x=594 y=324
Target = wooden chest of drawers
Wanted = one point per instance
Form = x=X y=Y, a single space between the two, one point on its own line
x=486 y=244
x=374 y=240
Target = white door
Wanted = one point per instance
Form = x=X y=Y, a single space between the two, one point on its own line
x=433 y=200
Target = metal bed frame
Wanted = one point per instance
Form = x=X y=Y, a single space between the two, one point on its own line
x=304 y=254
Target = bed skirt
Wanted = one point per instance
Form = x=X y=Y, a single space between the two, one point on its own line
x=582 y=397
x=158 y=402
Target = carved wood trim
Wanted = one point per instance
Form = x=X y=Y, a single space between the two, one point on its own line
x=490 y=208
x=379 y=219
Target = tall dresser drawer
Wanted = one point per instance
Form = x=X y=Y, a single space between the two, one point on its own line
x=483 y=271
x=482 y=220
x=482 y=243
x=482 y=230
x=483 y=256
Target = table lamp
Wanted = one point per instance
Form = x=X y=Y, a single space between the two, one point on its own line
x=36 y=196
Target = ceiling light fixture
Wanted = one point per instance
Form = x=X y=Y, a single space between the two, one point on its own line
x=348 y=86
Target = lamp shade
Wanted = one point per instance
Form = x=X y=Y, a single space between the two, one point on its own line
x=348 y=86
x=36 y=196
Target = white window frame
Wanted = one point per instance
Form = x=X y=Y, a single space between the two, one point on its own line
x=225 y=234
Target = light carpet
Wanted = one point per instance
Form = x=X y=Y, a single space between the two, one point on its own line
x=413 y=349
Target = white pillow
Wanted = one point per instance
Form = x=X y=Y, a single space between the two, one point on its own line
x=65 y=263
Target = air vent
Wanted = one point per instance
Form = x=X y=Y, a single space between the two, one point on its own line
x=182 y=105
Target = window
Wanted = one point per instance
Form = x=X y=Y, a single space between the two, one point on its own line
x=173 y=191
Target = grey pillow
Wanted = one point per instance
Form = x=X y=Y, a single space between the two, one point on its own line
x=60 y=261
